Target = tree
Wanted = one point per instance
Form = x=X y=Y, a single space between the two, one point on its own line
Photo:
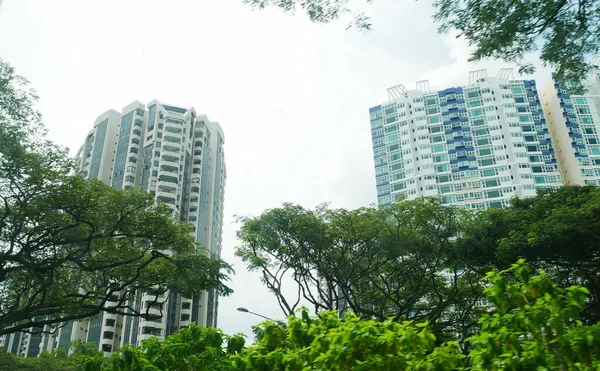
x=377 y=262
x=565 y=32
x=193 y=348
x=532 y=324
x=320 y=11
x=558 y=231
x=10 y=362
x=72 y=248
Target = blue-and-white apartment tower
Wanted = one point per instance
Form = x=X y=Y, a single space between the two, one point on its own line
x=474 y=146
x=574 y=122
x=177 y=156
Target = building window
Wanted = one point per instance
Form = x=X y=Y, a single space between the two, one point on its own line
x=151 y=331
x=108 y=335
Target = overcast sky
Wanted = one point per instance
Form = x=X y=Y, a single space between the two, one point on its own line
x=291 y=96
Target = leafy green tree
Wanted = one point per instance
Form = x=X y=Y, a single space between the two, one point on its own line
x=326 y=342
x=82 y=357
x=71 y=248
x=565 y=32
x=193 y=348
x=532 y=324
x=558 y=231
x=46 y=362
x=377 y=262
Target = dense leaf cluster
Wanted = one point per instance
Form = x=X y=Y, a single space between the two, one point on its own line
x=420 y=260
x=532 y=324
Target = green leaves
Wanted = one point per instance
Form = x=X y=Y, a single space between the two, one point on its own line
x=557 y=231
x=319 y=11
x=379 y=262
x=193 y=348
x=565 y=31
x=535 y=324
x=535 y=328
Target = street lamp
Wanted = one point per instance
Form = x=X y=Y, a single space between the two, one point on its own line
x=245 y=310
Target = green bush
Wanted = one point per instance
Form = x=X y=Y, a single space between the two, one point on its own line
x=532 y=324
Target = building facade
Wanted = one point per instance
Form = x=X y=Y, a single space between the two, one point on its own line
x=474 y=146
x=176 y=155
x=574 y=122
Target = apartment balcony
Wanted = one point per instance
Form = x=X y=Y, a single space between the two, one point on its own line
x=108 y=316
x=169 y=167
x=166 y=197
x=143 y=337
x=146 y=329
x=172 y=148
x=151 y=304
x=166 y=184
x=152 y=319
x=107 y=348
x=173 y=128
x=154 y=316
x=166 y=179
x=168 y=173
x=166 y=187
x=169 y=161
x=172 y=139
x=108 y=337
x=169 y=156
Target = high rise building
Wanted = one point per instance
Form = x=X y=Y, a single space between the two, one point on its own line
x=574 y=122
x=177 y=156
x=474 y=146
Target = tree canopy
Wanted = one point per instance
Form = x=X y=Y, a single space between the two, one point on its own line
x=377 y=262
x=558 y=231
x=71 y=248
x=564 y=32
x=532 y=324
x=421 y=260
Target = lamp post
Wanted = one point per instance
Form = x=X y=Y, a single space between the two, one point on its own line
x=245 y=310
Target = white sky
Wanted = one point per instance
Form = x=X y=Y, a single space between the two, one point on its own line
x=291 y=96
